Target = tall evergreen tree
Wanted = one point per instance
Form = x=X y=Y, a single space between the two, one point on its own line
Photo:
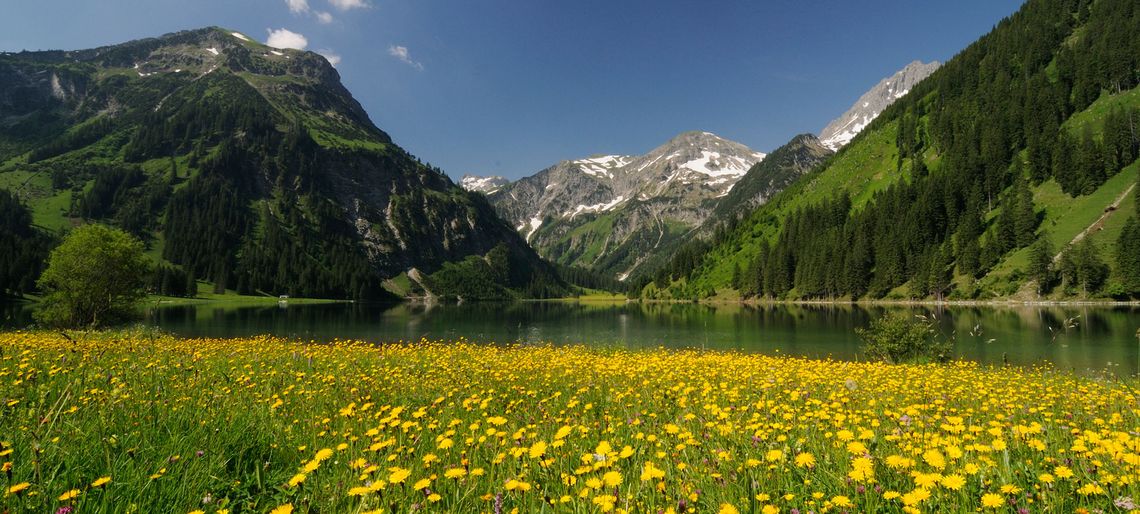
x=1128 y=255
x=1024 y=214
x=1041 y=263
x=1082 y=267
x=23 y=248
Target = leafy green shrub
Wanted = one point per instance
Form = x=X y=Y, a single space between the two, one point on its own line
x=900 y=338
x=96 y=276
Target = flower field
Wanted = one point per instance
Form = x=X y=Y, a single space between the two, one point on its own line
x=137 y=422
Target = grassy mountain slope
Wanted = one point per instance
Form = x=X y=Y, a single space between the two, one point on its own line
x=773 y=174
x=931 y=199
x=245 y=165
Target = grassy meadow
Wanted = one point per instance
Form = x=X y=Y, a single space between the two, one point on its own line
x=146 y=422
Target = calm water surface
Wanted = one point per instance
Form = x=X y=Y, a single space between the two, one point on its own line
x=1072 y=337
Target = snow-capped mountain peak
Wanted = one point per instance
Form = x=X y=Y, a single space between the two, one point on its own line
x=616 y=209
x=844 y=128
x=485 y=185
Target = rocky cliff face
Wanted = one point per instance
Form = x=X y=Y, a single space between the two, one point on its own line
x=844 y=128
x=611 y=212
x=259 y=170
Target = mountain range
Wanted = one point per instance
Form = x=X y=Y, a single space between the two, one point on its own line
x=608 y=213
x=1010 y=172
x=248 y=166
x=1003 y=173
x=619 y=215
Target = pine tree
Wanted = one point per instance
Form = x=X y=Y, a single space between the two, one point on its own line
x=1089 y=270
x=1006 y=226
x=990 y=252
x=940 y=273
x=1128 y=255
x=1024 y=215
x=1041 y=263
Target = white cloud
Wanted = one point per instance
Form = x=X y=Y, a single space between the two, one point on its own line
x=302 y=7
x=285 y=38
x=345 y=5
x=334 y=59
x=401 y=53
x=298 y=6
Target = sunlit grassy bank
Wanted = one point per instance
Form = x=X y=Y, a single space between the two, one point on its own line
x=147 y=423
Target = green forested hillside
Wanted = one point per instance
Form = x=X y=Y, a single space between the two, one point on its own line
x=1027 y=134
x=246 y=166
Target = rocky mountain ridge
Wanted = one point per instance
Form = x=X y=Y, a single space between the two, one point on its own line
x=606 y=212
x=844 y=128
x=246 y=165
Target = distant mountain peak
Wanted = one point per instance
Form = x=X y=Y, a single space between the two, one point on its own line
x=776 y=172
x=611 y=212
x=247 y=155
x=485 y=185
x=844 y=128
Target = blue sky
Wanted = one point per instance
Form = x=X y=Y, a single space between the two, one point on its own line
x=509 y=87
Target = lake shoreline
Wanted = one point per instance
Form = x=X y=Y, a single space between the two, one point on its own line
x=861 y=303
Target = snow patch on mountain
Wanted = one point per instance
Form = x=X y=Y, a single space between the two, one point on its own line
x=485 y=185
x=603 y=165
x=715 y=165
x=601 y=207
x=534 y=224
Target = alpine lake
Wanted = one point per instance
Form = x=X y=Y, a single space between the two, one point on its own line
x=1088 y=339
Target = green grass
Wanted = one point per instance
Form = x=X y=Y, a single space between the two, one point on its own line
x=587 y=240
x=1093 y=116
x=49 y=208
x=399 y=285
x=228 y=298
x=146 y=422
x=1107 y=236
x=1064 y=218
x=594 y=295
x=860 y=169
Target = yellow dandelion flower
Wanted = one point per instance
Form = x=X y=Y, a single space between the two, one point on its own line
x=953 y=482
x=398 y=475
x=993 y=501
x=537 y=449
x=297 y=479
